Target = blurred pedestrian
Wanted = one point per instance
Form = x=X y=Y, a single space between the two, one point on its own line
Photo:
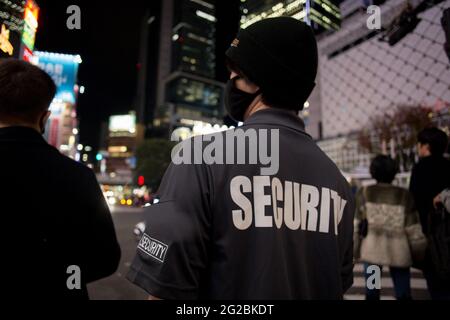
x=62 y=236
x=443 y=199
x=387 y=228
x=430 y=177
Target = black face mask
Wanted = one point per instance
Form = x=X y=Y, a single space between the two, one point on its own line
x=238 y=101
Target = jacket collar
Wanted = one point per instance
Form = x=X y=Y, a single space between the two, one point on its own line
x=20 y=134
x=277 y=118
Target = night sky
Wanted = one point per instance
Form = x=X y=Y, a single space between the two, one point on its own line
x=108 y=43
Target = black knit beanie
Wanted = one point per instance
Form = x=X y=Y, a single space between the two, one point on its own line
x=280 y=56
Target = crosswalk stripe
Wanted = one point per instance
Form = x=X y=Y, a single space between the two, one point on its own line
x=358 y=290
x=363 y=297
x=386 y=282
x=360 y=268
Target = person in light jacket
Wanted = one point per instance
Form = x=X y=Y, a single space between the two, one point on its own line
x=385 y=223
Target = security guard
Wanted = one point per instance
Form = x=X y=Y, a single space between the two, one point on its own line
x=257 y=212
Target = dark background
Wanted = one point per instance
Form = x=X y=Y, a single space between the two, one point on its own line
x=108 y=43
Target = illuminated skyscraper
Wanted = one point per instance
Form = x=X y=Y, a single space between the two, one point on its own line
x=320 y=14
x=186 y=89
x=194 y=28
x=11 y=14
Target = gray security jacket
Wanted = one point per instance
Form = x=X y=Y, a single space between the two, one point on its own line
x=253 y=229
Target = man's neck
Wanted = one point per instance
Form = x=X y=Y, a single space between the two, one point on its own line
x=426 y=155
x=256 y=106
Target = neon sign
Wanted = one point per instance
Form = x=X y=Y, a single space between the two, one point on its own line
x=5 y=45
x=31 y=24
x=63 y=69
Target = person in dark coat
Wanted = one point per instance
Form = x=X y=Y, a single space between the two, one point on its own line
x=430 y=177
x=57 y=231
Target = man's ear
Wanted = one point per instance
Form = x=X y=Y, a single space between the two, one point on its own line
x=246 y=85
x=43 y=120
x=253 y=87
x=47 y=116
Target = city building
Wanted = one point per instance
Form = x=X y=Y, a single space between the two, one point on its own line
x=62 y=127
x=367 y=73
x=121 y=142
x=118 y=161
x=18 y=27
x=186 y=89
x=320 y=14
x=11 y=24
